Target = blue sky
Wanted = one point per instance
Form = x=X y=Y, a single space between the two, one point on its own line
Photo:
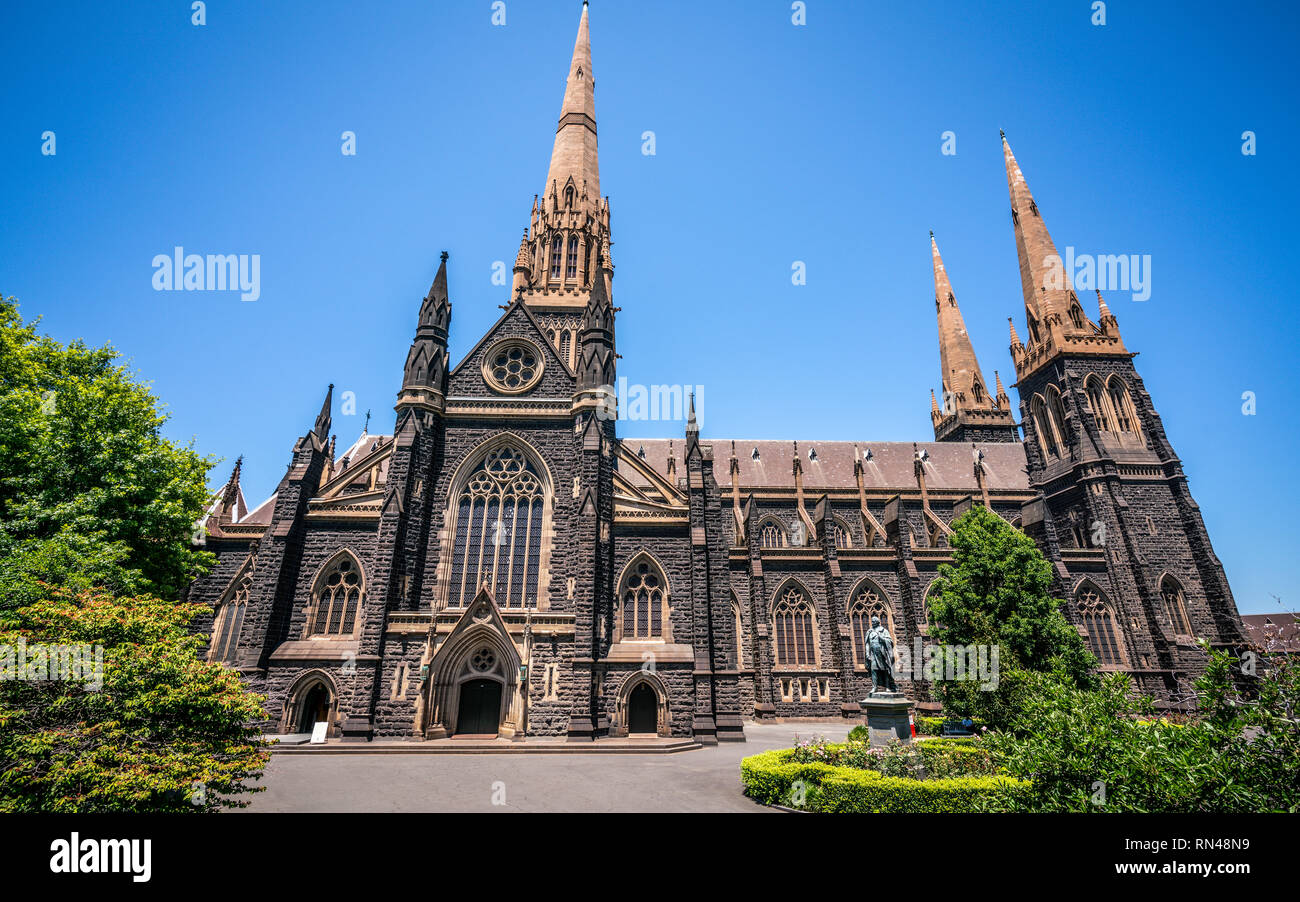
x=775 y=143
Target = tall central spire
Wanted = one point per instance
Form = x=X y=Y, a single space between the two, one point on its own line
x=566 y=246
x=1054 y=315
x=573 y=159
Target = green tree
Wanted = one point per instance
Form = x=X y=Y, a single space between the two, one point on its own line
x=159 y=729
x=90 y=490
x=1104 y=749
x=997 y=593
x=97 y=510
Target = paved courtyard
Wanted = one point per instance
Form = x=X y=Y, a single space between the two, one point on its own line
x=706 y=779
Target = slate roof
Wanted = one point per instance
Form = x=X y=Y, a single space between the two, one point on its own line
x=826 y=465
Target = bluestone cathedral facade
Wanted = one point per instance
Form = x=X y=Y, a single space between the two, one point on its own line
x=506 y=564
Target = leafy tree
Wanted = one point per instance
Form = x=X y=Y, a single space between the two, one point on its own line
x=90 y=490
x=997 y=592
x=1103 y=749
x=164 y=731
x=96 y=513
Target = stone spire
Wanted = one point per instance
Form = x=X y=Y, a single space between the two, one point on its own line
x=1001 y=400
x=568 y=231
x=963 y=383
x=1055 y=317
x=573 y=158
x=596 y=341
x=968 y=412
x=1046 y=287
x=692 y=430
x=425 y=375
x=322 y=427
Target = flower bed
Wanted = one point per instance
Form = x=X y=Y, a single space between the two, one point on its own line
x=930 y=776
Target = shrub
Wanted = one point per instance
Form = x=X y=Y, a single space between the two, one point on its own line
x=775 y=778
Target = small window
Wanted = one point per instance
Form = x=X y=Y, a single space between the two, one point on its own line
x=557 y=248
x=571 y=266
x=337 y=598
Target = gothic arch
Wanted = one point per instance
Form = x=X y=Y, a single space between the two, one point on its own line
x=663 y=714
x=652 y=588
x=1121 y=405
x=795 y=637
x=738 y=618
x=868 y=600
x=1175 y=603
x=228 y=615
x=1056 y=412
x=772 y=533
x=527 y=542
x=1105 y=632
x=843 y=535
x=1099 y=401
x=295 y=713
x=338 y=597
x=482 y=650
x=1043 y=428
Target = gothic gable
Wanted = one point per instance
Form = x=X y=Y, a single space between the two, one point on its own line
x=473 y=376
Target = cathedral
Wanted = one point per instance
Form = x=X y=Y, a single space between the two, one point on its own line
x=506 y=564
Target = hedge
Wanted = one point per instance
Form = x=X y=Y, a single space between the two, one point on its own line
x=769 y=777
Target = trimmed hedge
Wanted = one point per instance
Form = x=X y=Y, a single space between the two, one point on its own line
x=770 y=777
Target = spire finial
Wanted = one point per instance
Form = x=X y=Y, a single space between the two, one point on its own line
x=322 y=427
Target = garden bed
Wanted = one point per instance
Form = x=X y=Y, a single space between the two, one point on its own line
x=927 y=777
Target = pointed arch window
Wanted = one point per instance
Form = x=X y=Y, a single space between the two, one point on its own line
x=1043 y=426
x=1100 y=406
x=794 y=630
x=571 y=262
x=1105 y=639
x=557 y=250
x=336 y=598
x=498 y=531
x=772 y=535
x=1175 y=605
x=1122 y=405
x=566 y=346
x=740 y=631
x=644 y=596
x=1057 y=411
x=229 y=618
x=867 y=603
x=843 y=538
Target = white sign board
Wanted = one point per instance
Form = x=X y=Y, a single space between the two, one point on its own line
x=318 y=732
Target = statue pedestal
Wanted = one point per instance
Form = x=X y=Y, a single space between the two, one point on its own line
x=888 y=717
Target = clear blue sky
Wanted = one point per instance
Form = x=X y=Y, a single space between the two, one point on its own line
x=775 y=143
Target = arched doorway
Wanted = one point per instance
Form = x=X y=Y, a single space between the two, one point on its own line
x=314 y=709
x=643 y=710
x=479 y=710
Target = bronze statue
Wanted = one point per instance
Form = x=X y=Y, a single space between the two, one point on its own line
x=880 y=654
